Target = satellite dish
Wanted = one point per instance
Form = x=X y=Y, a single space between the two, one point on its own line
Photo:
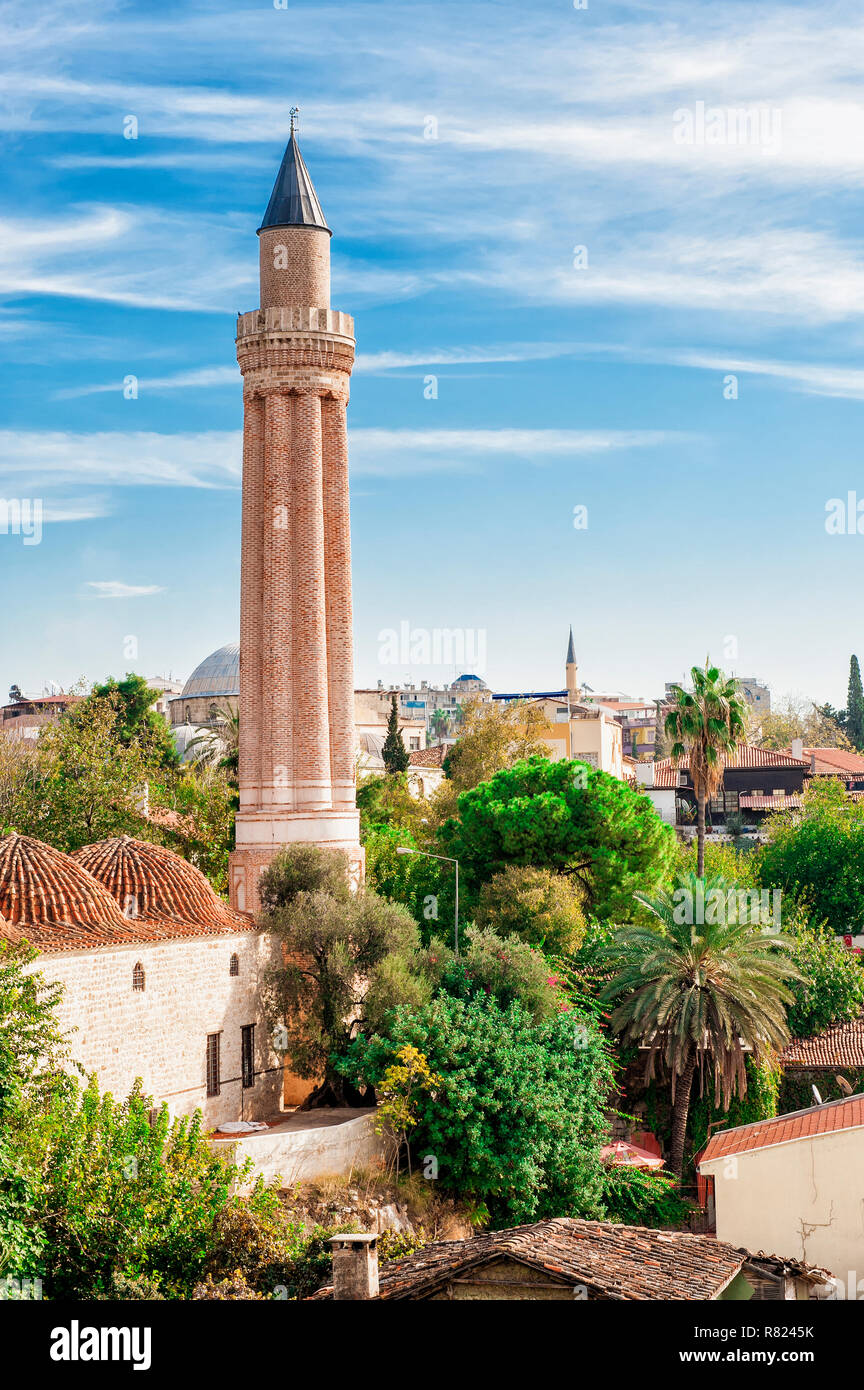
x=844 y=1085
x=816 y=1096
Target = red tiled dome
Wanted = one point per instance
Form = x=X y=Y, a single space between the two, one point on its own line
x=152 y=884
x=48 y=897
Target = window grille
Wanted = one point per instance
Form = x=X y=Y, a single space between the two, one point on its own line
x=213 y=1040
x=247 y=1055
x=138 y=975
x=234 y=965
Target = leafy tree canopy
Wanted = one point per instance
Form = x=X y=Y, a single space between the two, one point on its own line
x=816 y=725
x=517 y=1118
x=831 y=987
x=539 y=906
x=137 y=721
x=816 y=856
x=564 y=816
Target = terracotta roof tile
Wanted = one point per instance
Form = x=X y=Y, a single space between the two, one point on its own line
x=841 y=1045
x=769 y=803
x=836 y=760
x=613 y=1262
x=55 y=902
x=430 y=757
x=802 y=1124
x=156 y=887
x=747 y=755
x=49 y=897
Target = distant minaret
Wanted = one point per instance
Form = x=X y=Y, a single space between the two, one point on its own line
x=296 y=658
x=572 y=671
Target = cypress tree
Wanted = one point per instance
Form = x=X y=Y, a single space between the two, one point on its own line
x=394 y=752
x=855 y=705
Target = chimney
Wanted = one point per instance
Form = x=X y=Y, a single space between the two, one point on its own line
x=797 y=748
x=355 y=1265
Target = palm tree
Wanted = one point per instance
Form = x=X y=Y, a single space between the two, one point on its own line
x=700 y=993
x=220 y=744
x=703 y=726
x=439 y=723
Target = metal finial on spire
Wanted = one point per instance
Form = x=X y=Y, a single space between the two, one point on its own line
x=293 y=202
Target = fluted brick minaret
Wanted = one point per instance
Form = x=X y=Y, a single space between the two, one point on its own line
x=296 y=657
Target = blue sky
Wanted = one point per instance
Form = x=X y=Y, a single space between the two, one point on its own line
x=557 y=386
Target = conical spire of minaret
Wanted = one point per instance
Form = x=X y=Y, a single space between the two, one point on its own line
x=293 y=202
x=571 y=651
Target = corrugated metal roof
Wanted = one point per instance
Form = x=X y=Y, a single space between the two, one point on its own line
x=769 y=803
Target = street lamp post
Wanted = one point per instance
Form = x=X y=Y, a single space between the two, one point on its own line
x=445 y=858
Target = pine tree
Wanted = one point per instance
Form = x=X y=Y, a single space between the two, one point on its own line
x=855 y=705
x=394 y=752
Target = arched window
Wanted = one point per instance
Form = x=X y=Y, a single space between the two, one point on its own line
x=138 y=975
x=234 y=965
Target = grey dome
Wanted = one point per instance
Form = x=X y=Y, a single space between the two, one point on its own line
x=217 y=675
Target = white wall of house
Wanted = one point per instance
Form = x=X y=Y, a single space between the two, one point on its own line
x=802 y=1200
x=160 y=1033
x=663 y=801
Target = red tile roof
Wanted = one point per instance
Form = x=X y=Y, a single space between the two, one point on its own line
x=802 y=1124
x=430 y=757
x=841 y=1045
x=53 y=901
x=612 y=1262
x=47 y=897
x=747 y=755
x=832 y=760
x=153 y=885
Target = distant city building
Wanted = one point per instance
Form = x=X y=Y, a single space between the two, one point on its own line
x=755 y=692
x=27 y=715
x=574 y=727
x=438 y=706
x=166 y=686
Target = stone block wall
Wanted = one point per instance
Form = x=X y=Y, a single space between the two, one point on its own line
x=160 y=1033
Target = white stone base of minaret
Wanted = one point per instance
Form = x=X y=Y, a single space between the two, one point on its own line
x=261 y=835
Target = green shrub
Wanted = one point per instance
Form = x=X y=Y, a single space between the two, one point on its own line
x=542 y=908
x=639 y=1198
x=832 y=988
x=518 y=1118
x=508 y=971
x=116 y=1195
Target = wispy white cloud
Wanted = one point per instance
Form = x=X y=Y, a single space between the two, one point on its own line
x=201 y=378
x=814 y=379
x=144 y=258
x=213 y=458
x=63 y=509
x=115 y=588
x=390 y=452
x=33 y=459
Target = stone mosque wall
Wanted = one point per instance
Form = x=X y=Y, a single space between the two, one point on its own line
x=160 y=1033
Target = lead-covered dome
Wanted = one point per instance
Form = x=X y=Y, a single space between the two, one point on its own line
x=51 y=899
x=157 y=887
x=217 y=675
